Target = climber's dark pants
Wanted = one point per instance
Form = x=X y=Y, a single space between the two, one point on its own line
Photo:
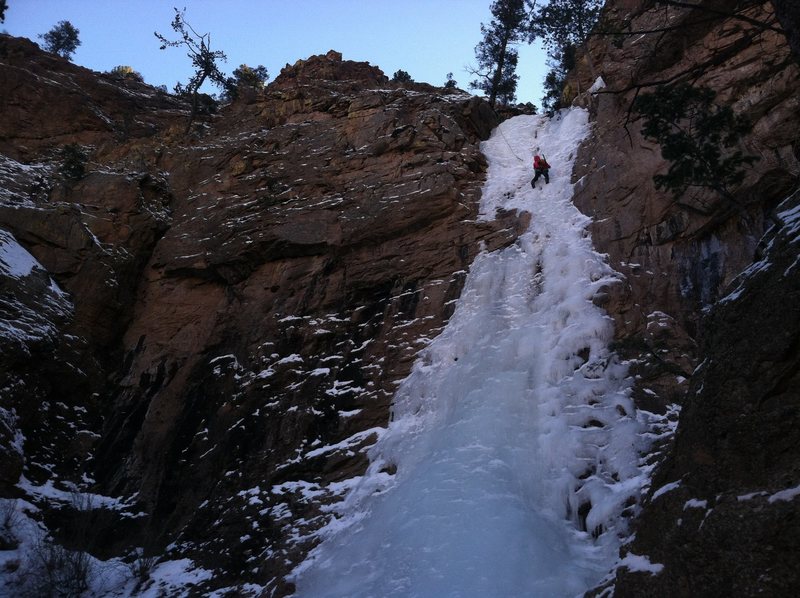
x=540 y=172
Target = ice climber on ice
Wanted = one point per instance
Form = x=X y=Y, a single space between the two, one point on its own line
x=489 y=495
x=540 y=168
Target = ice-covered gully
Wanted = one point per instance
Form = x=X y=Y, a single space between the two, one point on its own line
x=515 y=442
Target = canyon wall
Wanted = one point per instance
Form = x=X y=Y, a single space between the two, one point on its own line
x=242 y=298
x=715 y=520
x=203 y=330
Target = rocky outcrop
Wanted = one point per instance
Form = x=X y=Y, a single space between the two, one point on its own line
x=49 y=102
x=788 y=14
x=711 y=524
x=722 y=517
x=678 y=256
x=247 y=296
x=330 y=68
x=33 y=309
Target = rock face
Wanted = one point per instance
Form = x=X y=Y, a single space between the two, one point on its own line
x=788 y=14
x=215 y=322
x=33 y=310
x=655 y=240
x=722 y=519
x=678 y=256
x=243 y=299
x=718 y=518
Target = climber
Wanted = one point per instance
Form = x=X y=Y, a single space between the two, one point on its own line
x=541 y=168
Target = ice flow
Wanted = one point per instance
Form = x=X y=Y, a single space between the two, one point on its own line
x=514 y=439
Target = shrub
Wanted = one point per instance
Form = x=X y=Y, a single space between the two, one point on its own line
x=401 y=76
x=8 y=521
x=141 y=566
x=53 y=571
x=73 y=162
x=126 y=72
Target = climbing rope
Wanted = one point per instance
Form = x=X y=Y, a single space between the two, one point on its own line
x=509 y=145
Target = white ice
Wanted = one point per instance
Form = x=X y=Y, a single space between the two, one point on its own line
x=514 y=437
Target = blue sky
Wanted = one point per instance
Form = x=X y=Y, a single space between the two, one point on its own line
x=427 y=38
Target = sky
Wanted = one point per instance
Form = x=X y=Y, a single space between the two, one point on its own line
x=426 y=38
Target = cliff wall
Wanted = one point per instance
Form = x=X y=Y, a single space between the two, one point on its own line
x=210 y=325
x=678 y=256
x=717 y=518
x=244 y=297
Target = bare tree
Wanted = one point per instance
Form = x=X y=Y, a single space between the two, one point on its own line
x=204 y=59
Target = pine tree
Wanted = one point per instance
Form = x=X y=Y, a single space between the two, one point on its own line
x=496 y=55
x=252 y=77
x=245 y=79
x=696 y=136
x=61 y=39
x=401 y=76
x=560 y=23
x=563 y=26
x=561 y=62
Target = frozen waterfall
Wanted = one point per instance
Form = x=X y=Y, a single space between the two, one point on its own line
x=514 y=439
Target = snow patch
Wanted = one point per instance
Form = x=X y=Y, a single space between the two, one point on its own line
x=175 y=578
x=665 y=488
x=597 y=85
x=788 y=494
x=640 y=564
x=15 y=261
x=347 y=443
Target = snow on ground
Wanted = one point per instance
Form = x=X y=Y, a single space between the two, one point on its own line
x=514 y=437
x=34 y=566
x=788 y=212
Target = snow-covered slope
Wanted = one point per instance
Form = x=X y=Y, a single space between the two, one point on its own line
x=513 y=449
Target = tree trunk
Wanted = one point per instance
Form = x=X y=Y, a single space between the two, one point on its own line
x=195 y=91
x=498 y=73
